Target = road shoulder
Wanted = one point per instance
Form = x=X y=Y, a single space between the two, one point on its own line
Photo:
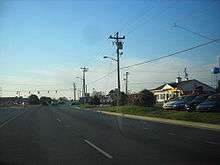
x=199 y=125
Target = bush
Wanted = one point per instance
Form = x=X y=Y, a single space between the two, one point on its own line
x=143 y=98
x=95 y=100
x=33 y=100
x=45 y=100
x=123 y=99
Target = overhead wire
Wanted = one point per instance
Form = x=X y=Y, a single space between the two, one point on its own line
x=172 y=54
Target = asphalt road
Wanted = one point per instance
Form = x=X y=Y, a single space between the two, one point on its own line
x=60 y=135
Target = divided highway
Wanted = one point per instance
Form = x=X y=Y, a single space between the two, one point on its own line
x=62 y=135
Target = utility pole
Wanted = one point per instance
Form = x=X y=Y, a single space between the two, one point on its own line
x=126 y=82
x=186 y=74
x=0 y=91
x=84 y=69
x=86 y=88
x=74 y=90
x=119 y=45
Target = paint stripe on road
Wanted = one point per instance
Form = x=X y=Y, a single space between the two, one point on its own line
x=210 y=142
x=9 y=120
x=58 y=120
x=173 y=134
x=98 y=149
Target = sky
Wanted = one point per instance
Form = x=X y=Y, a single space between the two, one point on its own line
x=43 y=44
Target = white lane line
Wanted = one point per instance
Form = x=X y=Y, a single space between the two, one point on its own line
x=59 y=121
x=215 y=143
x=146 y=128
x=171 y=134
x=98 y=149
x=9 y=120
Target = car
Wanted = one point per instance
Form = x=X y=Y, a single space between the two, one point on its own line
x=180 y=105
x=169 y=105
x=212 y=104
x=191 y=106
x=44 y=103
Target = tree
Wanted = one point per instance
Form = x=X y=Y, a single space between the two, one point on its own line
x=114 y=96
x=95 y=100
x=45 y=100
x=218 y=89
x=144 y=98
x=123 y=99
x=33 y=100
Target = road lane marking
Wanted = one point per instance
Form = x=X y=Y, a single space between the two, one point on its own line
x=59 y=121
x=9 y=120
x=146 y=128
x=171 y=134
x=98 y=149
x=215 y=143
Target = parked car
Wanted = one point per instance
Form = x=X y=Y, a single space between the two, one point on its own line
x=169 y=105
x=191 y=106
x=212 y=103
x=180 y=105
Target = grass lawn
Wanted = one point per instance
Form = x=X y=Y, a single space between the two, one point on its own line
x=204 y=117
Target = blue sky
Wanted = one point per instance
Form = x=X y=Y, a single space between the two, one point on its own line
x=46 y=42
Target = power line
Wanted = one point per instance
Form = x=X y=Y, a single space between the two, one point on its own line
x=152 y=60
x=161 y=13
x=195 y=33
x=190 y=14
x=135 y=19
x=172 y=54
x=106 y=75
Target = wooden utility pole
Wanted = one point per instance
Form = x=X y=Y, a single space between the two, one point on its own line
x=74 y=91
x=126 y=82
x=119 y=46
x=84 y=69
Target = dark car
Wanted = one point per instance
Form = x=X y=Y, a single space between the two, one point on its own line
x=191 y=106
x=212 y=103
x=180 y=105
x=169 y=105
x=44 y=103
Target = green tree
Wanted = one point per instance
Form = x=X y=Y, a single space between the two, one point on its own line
x=95 y=100
x=114 y=96
x=33 y=100
x=123 y=99
x=146 y=98
x=45 y=100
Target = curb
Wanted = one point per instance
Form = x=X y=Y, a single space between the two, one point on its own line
x=212 y=127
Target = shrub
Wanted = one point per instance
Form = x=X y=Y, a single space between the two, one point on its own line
x=95 y=100
x=33 y=100
x=45 y=100
x=143 y=98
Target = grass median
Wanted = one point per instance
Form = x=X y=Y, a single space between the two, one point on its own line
x=205 y=117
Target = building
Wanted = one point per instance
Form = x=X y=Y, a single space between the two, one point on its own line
x=180 y=88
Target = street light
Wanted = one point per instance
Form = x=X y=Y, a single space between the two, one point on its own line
x=110 y=58
x=79 y=78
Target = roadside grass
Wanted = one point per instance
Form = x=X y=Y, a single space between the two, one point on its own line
x=204 y=117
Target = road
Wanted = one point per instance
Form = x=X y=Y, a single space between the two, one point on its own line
x=62 y=135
